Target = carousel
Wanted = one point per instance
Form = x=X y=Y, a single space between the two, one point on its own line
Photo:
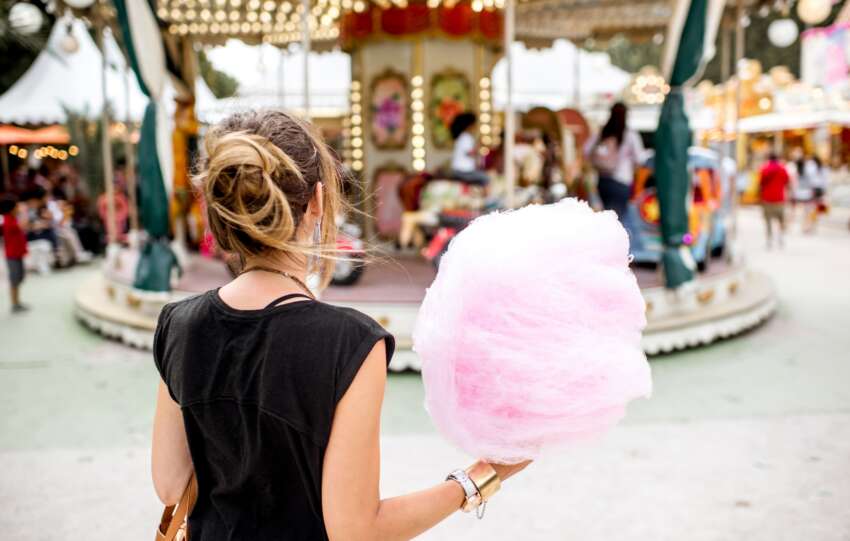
x=415 y=65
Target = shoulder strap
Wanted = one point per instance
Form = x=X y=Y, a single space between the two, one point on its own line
x=285 y=298
x=174 y=520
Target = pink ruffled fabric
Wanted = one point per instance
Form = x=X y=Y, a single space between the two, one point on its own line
x=530 y=334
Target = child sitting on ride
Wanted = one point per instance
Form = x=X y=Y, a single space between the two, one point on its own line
x=465 y=152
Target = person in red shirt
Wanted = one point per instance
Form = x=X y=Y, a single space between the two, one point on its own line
x=15 y=240
x=773 y=182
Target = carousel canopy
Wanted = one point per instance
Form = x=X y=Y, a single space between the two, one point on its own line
x=331 y=22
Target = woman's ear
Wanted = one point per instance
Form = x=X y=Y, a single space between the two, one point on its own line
x=316 y=206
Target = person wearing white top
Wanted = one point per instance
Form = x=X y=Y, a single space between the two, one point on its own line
x=465 y=151
x=615 y=153
x=811 y=189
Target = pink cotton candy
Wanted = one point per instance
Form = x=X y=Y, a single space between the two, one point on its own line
x=530 y=334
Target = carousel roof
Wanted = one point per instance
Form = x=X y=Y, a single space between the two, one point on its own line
x=538 y=22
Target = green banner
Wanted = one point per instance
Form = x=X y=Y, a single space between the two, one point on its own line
x=672 y=141
x=156 y=259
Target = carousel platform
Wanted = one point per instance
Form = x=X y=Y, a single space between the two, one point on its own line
x=725 y=300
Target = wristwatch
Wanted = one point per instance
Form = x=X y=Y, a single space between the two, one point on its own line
x=473 y=497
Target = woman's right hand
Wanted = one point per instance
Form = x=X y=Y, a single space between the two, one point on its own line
x=505 y=471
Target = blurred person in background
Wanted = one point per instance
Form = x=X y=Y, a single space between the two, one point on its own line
x=774 y=181
x=615 y=153
x=810 y=190
x=465 y=151
x=15 y=241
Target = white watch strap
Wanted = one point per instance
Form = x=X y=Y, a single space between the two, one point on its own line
x=469 y=488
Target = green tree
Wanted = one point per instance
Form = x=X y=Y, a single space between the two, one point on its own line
x=221 y=84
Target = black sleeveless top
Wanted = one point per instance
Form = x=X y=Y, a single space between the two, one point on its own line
x=258 y=390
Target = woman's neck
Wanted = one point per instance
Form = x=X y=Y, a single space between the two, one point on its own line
x=292 y=266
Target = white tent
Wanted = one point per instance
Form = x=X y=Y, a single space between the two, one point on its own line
x=57 y=81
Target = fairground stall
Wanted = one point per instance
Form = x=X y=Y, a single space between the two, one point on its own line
x=414 y=66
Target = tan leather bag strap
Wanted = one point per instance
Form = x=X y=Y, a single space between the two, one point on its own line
x=173 y=520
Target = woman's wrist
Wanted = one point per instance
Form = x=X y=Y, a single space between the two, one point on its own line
x=479 y=483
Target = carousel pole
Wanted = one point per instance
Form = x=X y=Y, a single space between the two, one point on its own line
x=510 y=121
x=281 y=95
x=105 y=146
x=577 y=78
x=130 y=163
x=7 y=177
x=739 y=55
x=305 y=47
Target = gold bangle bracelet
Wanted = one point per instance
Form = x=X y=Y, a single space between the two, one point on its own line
x=485 y=478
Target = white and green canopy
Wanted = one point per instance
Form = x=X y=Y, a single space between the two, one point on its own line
x=689 y=45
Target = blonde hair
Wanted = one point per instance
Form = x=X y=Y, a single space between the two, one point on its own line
x=259 y=174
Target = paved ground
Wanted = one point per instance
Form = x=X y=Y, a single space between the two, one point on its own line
x=747 y=439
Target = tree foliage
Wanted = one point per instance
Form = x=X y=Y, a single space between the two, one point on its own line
x=221 y=84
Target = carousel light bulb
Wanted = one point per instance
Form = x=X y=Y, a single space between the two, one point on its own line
x=419 y=165
x=418 y=129
x=355 y=96
x=22 y=153
x=416 y=80
x=814 y=11
x=418 y=117
x=418 y=141
x=418 y=153
x=477 y=5
x=416 y=93
x=356 y=130
x=25 y=18
x=357 y=165
x=73 y=150
x=484 y=82
x=782 y=32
